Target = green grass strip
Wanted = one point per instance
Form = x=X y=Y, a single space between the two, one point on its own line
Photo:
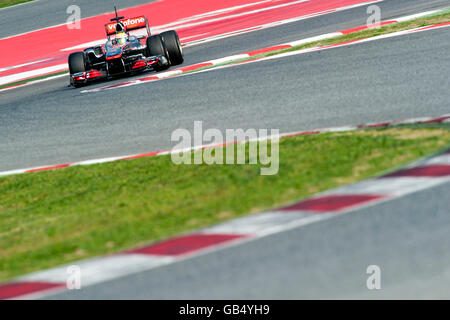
x=54 y=217
x=9 y=3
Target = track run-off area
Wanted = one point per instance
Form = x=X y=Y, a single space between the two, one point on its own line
x=45 y=51
x=401 y=77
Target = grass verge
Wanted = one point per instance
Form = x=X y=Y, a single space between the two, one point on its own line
x=54 y=217
x=9 y=3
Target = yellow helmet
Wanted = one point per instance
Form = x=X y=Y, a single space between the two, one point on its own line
x=121 y=38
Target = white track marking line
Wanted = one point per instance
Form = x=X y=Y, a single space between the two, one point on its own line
x=418 y=15
x=32 y=73
x=35 y=82
x=395 y=186
x=23 y=65
x=194 y=24
x=12 y=172
x=317 y=38
x=101 y=269
x=85 y=45
x=253 y=224
x=438 y=160
x=95 y=161
x=168 y=74
x=209 y=14
x=228 y=59
x=184 y=40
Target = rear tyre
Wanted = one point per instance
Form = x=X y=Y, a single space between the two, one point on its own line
x=156 y=47
x=173 y=45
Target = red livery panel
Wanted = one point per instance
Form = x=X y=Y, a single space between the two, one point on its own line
x=130 y=24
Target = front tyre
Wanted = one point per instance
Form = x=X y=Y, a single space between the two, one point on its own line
x=77 y=64
x=173 y=45
x=156 y=47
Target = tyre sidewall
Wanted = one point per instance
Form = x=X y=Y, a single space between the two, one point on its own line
x=173 y=45
x=77 y=62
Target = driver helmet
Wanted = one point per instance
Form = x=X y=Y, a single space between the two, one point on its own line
x=121 y=38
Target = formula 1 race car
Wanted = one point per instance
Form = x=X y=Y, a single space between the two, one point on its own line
x=130 y=49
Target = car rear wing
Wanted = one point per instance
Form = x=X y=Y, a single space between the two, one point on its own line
x=137 y=26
